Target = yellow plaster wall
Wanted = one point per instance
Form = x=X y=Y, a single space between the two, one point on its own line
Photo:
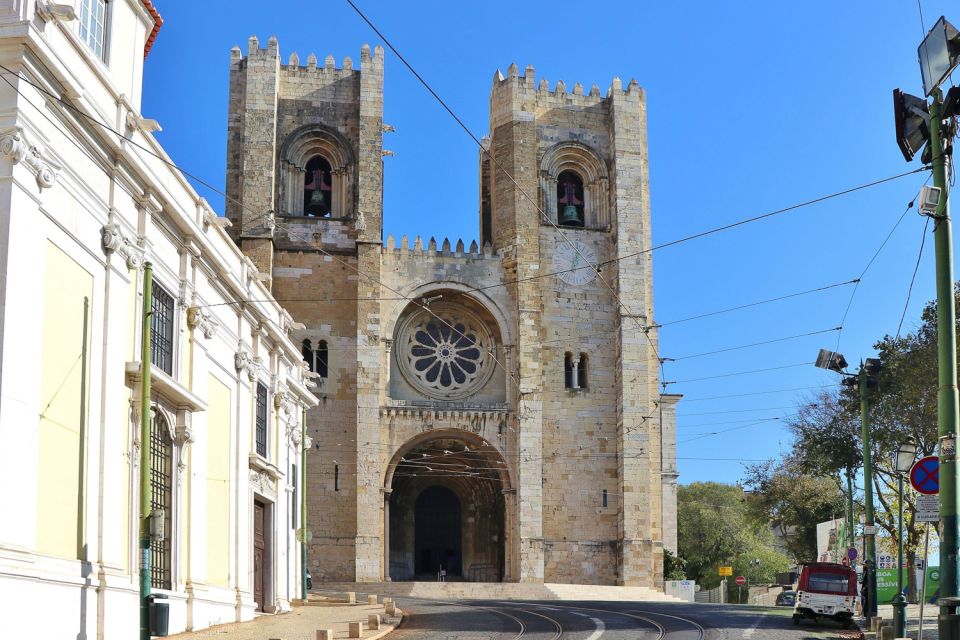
x=218 y=484
x=61 y=440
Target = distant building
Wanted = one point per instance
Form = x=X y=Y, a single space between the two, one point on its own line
x=81 y=209
x=489 y=409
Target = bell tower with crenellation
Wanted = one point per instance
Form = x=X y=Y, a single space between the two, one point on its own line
x=564 y=185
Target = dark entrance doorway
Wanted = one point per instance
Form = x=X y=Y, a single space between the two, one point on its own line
x=437 y=536
x=259 y=548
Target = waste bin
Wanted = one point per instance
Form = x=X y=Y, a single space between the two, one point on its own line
x=159 y=615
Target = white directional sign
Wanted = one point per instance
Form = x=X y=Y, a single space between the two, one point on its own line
x=928 y=508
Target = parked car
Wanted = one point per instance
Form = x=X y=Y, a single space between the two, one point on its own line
x=786 y=598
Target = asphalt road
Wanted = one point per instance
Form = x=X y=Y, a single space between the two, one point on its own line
x=515 y=620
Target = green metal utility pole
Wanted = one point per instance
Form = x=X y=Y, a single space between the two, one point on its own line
x=303 y=505
x=947 y=411
x=869 y=537
x=145 y=458
x=850 y=519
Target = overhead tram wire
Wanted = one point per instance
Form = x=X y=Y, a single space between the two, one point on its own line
x=755 y=304
x=223 y=194
x=916 y=267
x=687 y=400
x=870 y=262
x=752 y=344
x=547 y=218
x=739 y=373
x=168 y=162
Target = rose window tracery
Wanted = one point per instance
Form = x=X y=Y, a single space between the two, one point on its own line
x=445 y=357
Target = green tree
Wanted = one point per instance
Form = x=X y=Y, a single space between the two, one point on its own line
x=716 y=529
x=794 y=501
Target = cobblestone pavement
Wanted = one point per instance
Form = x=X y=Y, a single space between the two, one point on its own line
x=300 y=624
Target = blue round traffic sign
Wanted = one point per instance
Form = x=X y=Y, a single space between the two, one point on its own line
x=925 y=475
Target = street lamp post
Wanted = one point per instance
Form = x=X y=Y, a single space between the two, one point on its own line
x=903 y=460
x=866 y=378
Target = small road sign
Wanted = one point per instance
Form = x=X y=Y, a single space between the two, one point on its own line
x=726 y=571
x=852 y=554
x=741 y=581
x=928 y=508
x=925 y=475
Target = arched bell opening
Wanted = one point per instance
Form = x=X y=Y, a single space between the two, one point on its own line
x=447 y=511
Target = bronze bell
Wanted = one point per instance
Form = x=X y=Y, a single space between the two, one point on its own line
x=570 y=215
x=316 y=206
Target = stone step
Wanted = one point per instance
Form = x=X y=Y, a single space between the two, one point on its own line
x=502 y=591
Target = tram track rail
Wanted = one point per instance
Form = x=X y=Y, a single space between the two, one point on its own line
x=523 y=607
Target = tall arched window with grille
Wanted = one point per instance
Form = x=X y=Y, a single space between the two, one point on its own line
x=321 y=357
x=306 y=349
x=582 y=371
x=161 y=499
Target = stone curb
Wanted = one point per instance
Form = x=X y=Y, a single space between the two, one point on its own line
x=387 y=628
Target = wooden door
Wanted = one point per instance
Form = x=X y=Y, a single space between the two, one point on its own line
x=258 y=554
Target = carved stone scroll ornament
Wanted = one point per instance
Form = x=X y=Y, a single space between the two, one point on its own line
x=113 y=240
x=244 y=362
x=16 y=147
x=199 y=318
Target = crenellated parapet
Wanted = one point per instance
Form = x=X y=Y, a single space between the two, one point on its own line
x=431 y=250
x=574 y=94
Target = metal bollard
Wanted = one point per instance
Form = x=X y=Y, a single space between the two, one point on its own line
x=948 y=623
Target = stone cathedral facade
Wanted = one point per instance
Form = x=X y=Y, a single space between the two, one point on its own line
x=489 y=409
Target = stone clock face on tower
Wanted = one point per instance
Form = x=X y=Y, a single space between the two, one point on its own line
x=574 y=266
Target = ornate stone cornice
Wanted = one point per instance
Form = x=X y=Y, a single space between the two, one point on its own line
x=16 y=146
x=112 y=239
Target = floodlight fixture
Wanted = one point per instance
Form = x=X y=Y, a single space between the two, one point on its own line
x=910 y=119
x=831 y=361
x=939 y=54
x=906 y=455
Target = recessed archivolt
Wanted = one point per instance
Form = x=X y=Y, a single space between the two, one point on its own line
x=574 y=156
x=312 y=140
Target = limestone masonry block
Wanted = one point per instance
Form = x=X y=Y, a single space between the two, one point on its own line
x=351 y=597
x=373 y=622
x=372 y=598
x=324 y=634
x=355 y=630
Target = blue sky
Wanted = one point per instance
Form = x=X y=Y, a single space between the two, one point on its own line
x=752 y=106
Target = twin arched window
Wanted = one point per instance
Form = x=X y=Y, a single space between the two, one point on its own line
x=575 y=371
x=316 y=358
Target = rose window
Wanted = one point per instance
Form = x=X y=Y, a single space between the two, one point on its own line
x=447 y=356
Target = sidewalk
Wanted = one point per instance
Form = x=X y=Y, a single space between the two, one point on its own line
x=930 y=612
x=320 y=612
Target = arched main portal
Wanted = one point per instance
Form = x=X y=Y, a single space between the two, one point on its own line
x=446 y=508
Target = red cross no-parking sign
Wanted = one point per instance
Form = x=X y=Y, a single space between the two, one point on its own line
x=925 y=475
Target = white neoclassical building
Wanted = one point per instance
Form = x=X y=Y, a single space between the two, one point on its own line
x=87 y=196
